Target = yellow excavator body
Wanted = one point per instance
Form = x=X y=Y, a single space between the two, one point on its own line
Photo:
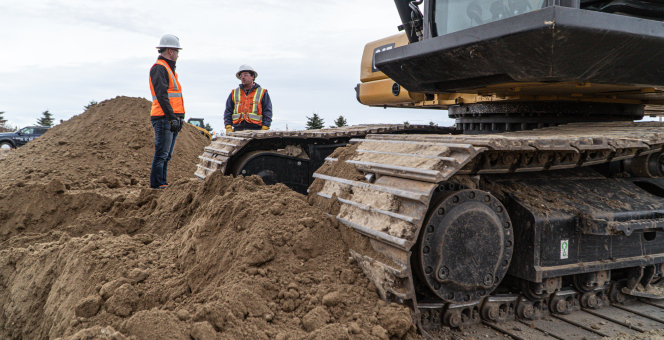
x=200 y=126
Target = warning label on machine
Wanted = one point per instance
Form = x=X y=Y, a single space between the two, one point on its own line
x=564 y=245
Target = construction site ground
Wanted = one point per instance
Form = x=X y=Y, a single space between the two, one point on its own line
x=89 y=251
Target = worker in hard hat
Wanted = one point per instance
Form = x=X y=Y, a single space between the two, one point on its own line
x=249 y=106
x=167 y=112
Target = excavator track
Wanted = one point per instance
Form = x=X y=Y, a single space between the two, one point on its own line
x=611 y=321
x=220 y=153
x=391 y=196
x=389 y=184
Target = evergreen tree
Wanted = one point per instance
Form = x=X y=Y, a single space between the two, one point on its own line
x=2 y=113
x=46 y=120
x=315 y=122
x=432 y=123
x=91 y=104
x=208 y=127
x=340 y=122
x=406 y=122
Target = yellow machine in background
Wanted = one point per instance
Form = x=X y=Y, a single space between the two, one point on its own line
x=200 y=126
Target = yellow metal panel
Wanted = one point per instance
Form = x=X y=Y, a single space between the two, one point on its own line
x=366 y=72
x=203 y=131
x=380 y=93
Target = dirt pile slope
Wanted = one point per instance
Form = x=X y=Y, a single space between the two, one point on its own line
x=87 y=251
x=224 y=259
x=109 y=145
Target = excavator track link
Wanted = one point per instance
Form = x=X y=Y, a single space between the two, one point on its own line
x=497 y=318
x=609 y=321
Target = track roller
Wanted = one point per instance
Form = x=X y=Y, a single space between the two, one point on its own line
x=531 y=310
x=540 y=290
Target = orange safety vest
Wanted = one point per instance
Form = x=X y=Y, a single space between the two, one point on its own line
x=174 y=93
x=248 y=107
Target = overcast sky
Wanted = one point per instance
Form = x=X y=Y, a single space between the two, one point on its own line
x=60 y=55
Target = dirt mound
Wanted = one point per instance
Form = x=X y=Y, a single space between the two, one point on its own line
x=108 y=145
x=223 y=259
x=87 y=251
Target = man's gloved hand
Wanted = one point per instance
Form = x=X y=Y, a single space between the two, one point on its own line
x=265 y=127
x=175 y=125
x=229 y=128
x=181 y=122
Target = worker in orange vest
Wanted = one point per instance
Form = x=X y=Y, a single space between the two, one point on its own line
x=248 y=107
x=167 y=112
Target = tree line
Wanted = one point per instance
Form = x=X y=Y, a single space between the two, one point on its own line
x=315 y=122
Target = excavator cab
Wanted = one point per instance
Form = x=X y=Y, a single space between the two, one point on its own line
x=448 y=17
x=456 y=15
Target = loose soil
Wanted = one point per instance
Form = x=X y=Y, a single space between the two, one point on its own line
x=4 y=153
x=649 y=335
x=653 y=290
x=88 y=251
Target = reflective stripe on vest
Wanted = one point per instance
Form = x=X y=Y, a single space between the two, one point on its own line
x=174 y=93
x=170 y=95
x=248 y=108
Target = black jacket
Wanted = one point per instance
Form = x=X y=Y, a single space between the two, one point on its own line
x=159 y=76
x=266 y=103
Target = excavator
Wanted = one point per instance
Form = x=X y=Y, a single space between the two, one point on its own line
x=545 y=199
x=199 y=124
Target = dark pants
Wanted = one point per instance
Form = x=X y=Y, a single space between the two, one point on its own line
x=164 y=142
x=245 y=126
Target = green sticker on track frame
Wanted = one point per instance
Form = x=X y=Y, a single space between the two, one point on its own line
x=564 y=249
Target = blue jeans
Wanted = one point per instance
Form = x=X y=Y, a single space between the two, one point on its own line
x=164 y=142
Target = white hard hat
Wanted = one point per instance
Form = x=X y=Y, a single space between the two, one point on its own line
x=247 y=68
x=169 y=41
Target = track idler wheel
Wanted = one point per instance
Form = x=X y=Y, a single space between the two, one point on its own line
x=465 y=246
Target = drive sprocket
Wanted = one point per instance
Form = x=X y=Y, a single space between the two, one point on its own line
x=465 y=246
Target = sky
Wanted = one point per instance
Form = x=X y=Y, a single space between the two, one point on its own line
x=60 y=55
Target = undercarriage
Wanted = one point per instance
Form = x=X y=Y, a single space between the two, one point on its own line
x=485 y=229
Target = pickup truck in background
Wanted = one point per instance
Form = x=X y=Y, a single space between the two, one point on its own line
x=12 y=140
